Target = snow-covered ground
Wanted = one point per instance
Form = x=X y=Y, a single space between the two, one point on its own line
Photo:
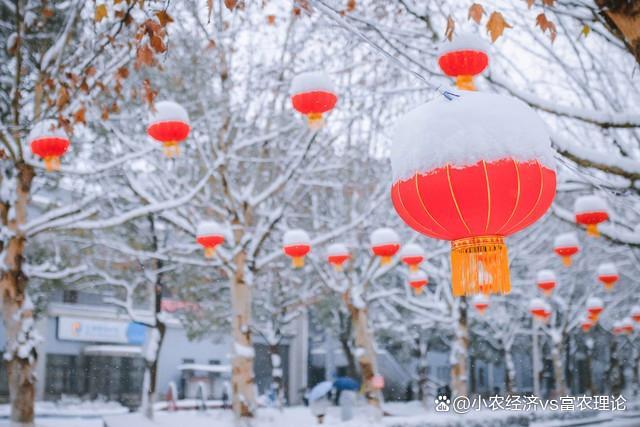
x=71 y=407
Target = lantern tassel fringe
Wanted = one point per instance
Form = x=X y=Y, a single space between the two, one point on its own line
x=315 y=121
x=414 y=267
x=566 y=261
x=297 y=262
x=385 y=260
x=52 y=163
x=480 y=265
x=592 y=230
x=418 y=291
x=465 y=82
x=171 y=149
x=209 y=252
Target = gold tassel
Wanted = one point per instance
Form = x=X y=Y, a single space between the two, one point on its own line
x=315 y=121
x=297 y=262
x=209 y=252
x=480 y=265
x=337 y=268
x=418 y=291
x=171 y=149
x=414 y=267
x=385 y=260
x=465 y=82
x=592 y=230
x=566 y=261
x=52 y=163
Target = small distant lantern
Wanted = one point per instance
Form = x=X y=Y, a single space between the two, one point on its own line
x=540 y=310
x=337 y=255
x=169 y=124
x=566 y=245
x=626 y=326
x=296 y=244
x=418 y=280
x=546 y=280
x=594 y=308
x=608 y=275
x=313 y=95
x=464 y=57
x=49 y=142
x=481 y=303
x=412 y=255
x=590 y=211
x=635 y=314
x=377 y=382
x=385 y=243
x=209 y=235
x=586 y=325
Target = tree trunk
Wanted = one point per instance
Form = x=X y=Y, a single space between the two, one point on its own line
x=616 y=381
x=277 y=375
x=558 y=368
x=510 y=371
x=345 y=337
x=242 y=377
x=366 y=354
x=152 y=367
x=17 y=310
x=421 y=354
x=459 y=351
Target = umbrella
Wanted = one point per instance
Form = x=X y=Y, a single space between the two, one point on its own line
x=320 y=390
x=346 y=383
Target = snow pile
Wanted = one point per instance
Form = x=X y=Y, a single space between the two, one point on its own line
x=168 y=111
x=566 y=240
x=72 y=407
x=473 y=126
x=464 y=41
x=546 y=276
x=480 y=299
x=412 y=250
x=594 y=302
x=337 y=249
x=590 y=203
x=384 y=236
x=210 y=228
x=153 y=343
x=46 y=129
x=537 y=304
x=607 y=269
x=312 y=81
x=295 y=237
x=243 y=350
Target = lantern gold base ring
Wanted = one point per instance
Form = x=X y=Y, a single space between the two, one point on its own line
x=480 y=265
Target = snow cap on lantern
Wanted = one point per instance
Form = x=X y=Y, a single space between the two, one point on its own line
x=464 y=57
x=313 y=94
x=418 y=280
x=49 y=142
x=546 y=280
x=481 y=303
x=594 y=307
x=586 y=324
x=473 y=170
x=210 y=234
x=616 y=328
x=566 y=245
x=539 y=309
x=385 y=243
x=635 y=313
x=337 y=255
x=412 y=255
x=626 y=325
x=590 y=211
x=608 y=274
x=169 y=124
x=296 y=244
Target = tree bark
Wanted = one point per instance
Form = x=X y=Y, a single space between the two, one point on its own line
x=558 y=369
x=510 y=377
x=242 y=377
x=21 y=338
x=420 y=353
x=345 y=336
x=459 y=351
x=277 y=374
x=152 y=367
x=614 y=374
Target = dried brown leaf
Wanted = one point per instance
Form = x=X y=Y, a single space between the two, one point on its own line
x=475 y=12
x=101 y=12
x=164 y=18
x=451 y=27
x=496 y=25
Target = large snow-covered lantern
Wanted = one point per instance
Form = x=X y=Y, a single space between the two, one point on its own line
x=594 y=308
x=590 y=211
x=539 y=309
x=464 y=57
x=566 y=245
x=481 y=303
x=296 y=244
x=385 y=243
x=635 y=314
x=337 y=255
x=313 y=94
x=49 y=142
x=473 y=170
x=608 y=275
x=210 y=234
x=546 y=281
x=418 y=280
x=169 y=125
x=412 y=255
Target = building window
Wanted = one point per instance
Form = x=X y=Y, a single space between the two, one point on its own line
x=70 y=296
x=214 y=362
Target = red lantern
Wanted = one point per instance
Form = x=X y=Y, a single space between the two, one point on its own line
x=546 y=280
x=418 y=280
x=566 y=245
x=313 y=94
x=586 y=325
x=337 y=255
x=539 y=309
x=481 y=303
x=590 y=211
x=385 y=243
x=169 y=124
x=296 y=244
x=49 y=142
x=412 y=255
x=626 y=326
x=473 y=187
x=594 y=308
x=209 y=235
x=608 y=275
x=635 y=314
x=463 y=58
